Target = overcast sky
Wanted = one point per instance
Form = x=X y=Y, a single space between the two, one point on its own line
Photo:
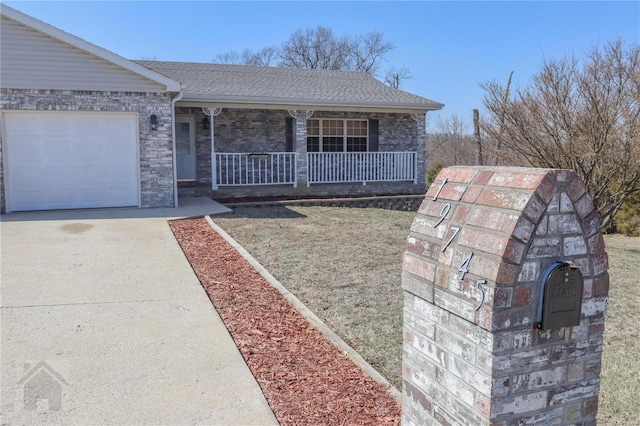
x=449 y=47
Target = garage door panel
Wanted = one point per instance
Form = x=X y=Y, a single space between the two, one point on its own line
x=58 y=199
x=26 y=149
x=116 y=145
x=30 y=199
x=54 y=121
x=25 y=173
x=54 y=151
x=88 y=125
x=90 y=197
x=71 y=160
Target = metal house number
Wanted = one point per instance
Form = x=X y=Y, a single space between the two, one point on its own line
x=455 y=232
x=443 y=214
x=435 y=197
x=466 y=262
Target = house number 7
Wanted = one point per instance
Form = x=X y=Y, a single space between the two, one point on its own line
x=455 y=232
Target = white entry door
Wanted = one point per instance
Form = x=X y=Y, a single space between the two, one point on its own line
x=186 y=148
x=70 y=160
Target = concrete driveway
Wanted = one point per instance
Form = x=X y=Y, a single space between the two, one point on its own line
x=104 y=322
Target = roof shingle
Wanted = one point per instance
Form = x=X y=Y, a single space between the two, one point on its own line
x=286 y=86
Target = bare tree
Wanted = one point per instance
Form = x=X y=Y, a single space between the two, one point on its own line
x=316 y=48
x=367 y=51
x=267 y=56
x=476 y=136
x=395 y=76
x=505 y=100
x=231 y=57
x=321 y=48
x=450 y=143
x=580 y=115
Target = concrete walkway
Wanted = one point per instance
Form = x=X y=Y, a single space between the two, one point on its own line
x=104 y=322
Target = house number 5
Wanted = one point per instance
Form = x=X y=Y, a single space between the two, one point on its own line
x=481 y=292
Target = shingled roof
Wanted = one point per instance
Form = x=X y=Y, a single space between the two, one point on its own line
x=241 y=84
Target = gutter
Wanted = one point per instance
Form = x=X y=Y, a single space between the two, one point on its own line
x=173 y=144
x=287 y=102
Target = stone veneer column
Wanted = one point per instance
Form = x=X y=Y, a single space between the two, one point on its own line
x=421 y=147
x=474 y=360
x=301 y=146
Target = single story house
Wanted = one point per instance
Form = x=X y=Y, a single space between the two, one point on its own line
x=83 y=127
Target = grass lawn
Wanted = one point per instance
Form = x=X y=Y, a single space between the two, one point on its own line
x=345 y=264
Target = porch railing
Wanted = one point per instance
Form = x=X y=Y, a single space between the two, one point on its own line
x=273 y=168
x=334 y=167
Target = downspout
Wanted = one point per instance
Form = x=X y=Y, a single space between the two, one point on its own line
x=3 y=154
x=173 y=144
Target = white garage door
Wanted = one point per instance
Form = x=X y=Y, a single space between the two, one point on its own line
x=63 y=160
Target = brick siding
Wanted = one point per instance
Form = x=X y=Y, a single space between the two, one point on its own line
x=304 y=191
x=492 y=365
x=156 y=152
x=261 y=130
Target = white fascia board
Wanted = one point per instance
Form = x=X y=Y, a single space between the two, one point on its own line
x=310 y=104
x=50 y=30
x=281 y=107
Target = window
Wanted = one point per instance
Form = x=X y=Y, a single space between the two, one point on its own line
x=313 y=135
x=331 y=135
x=356 y=135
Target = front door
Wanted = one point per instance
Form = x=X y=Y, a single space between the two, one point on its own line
x=186 y=148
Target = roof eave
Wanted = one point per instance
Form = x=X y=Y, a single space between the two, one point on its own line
x=171 y=85
x=309 y=103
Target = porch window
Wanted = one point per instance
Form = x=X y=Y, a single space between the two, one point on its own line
x=331 y=135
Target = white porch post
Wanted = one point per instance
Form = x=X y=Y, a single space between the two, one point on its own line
x=212 y=112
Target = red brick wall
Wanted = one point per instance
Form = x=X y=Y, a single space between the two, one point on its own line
x=465 y=364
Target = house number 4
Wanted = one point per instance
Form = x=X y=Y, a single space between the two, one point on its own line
x=464 y=268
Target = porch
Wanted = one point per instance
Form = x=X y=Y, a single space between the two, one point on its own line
x=267 y=153
x=281 y=168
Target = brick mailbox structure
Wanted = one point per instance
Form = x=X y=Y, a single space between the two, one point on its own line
x=483 y=245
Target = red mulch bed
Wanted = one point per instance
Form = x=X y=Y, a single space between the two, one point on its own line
x=305 y=378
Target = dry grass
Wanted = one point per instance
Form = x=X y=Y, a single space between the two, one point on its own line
x=345 y=264
x=620 y=387
x=312 y=251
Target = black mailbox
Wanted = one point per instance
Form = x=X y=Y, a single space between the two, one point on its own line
x=560 y=297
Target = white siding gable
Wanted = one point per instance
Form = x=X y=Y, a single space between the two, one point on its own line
x=34 y=60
